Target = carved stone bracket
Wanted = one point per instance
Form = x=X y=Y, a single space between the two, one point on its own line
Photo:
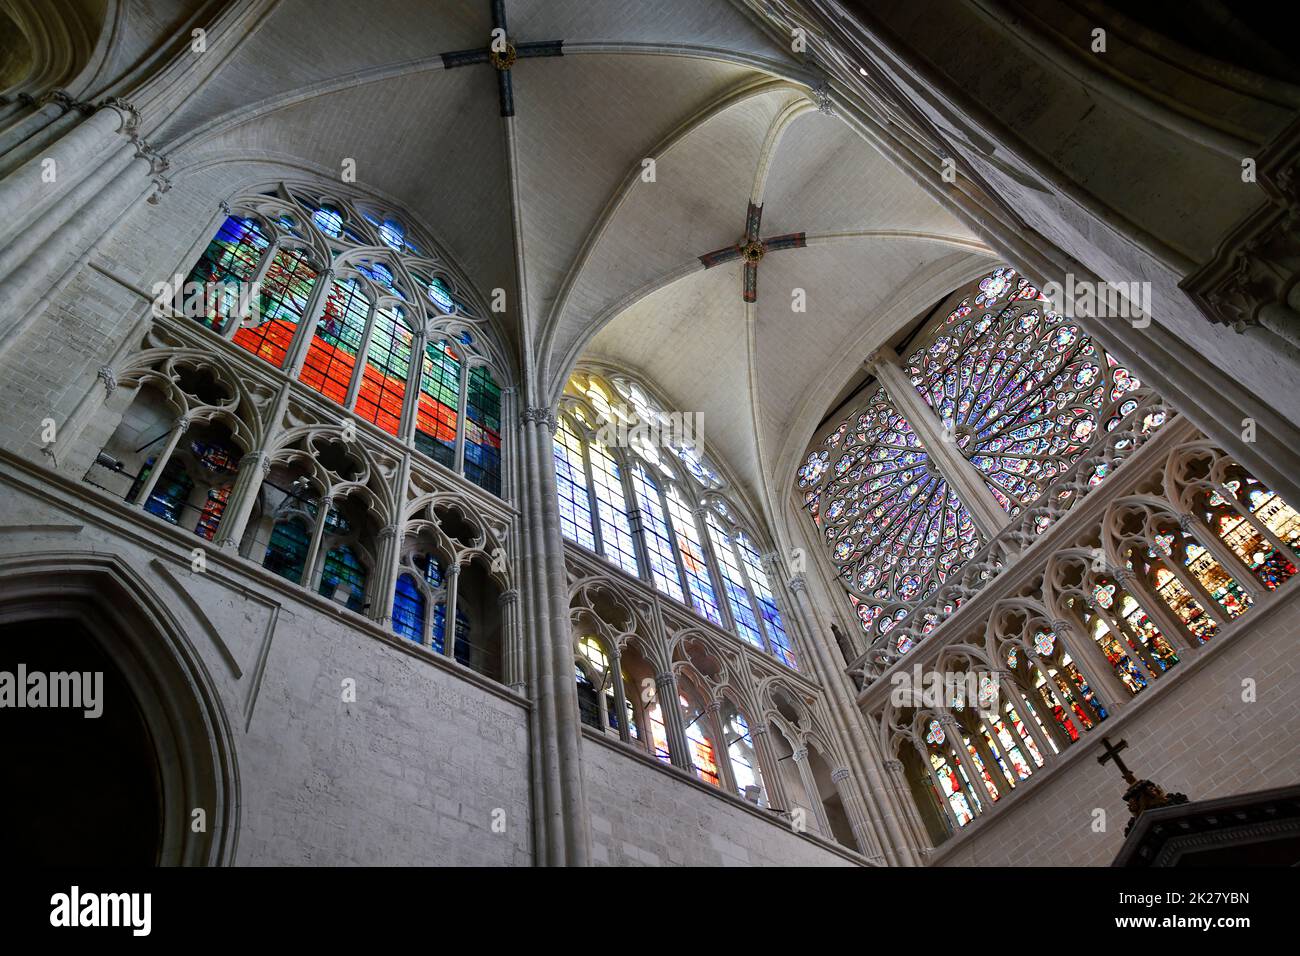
x=109 y=378
x=1256 y=268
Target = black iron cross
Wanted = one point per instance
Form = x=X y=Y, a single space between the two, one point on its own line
x=752 y=249
x=502 y=53
x=1112 y=753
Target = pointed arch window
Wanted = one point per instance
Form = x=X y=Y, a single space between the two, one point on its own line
x=638 y=501
x=361 y=352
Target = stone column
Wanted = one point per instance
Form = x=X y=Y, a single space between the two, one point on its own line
x=809 y=780
x=945 y=804
x=323 y=506
x=670 y=708
x=957 y=739
x=179 y=428
x=722 y=754
x=862 y=834
x=302 y=335
x=940 y=444
x=770 y=769
x=512 y=658
x=563 y=823
x=64 y=237
x=620 y=696
x=389 y=552
x=254 y=468
x=411 y=400
x=25 y=193
x=449 y=620
x=1094 y=663
x=462 y=426
x=896 y=779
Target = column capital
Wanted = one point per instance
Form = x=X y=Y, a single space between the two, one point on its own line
x=799 y=755
x=108 y=377
x=797 y=583
x=884 y=355
x=388 y=532
x=128 y=115
x=840 y=774
x=508 y=598
x=1061 y=628
x=894 y=765
x=182 y=424
x=540 y=415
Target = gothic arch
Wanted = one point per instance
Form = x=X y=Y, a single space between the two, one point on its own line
x=177 y=697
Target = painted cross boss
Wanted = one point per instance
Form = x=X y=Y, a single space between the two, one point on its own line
x=502 y=52
x=752 y=249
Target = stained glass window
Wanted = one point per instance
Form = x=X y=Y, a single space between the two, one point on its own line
x=230 y=259
x=772 y=624
x=461 y=651
x=1017 y=390
x=332 y=356
x=894 y=528
x=170 y=493
x=740 y=751
x=287 y=551
x=285 y=290
x=703 y=756
x=388 y=365
x=654 y=526
x=435 y=426
x=1019 y=387
x=647 y=498
x=733 y=583
x=483 y=430
x=348 y=315
x=691 y=549
x=408 y=609
x=344 y=578
x=571 y=480
x=611 y=506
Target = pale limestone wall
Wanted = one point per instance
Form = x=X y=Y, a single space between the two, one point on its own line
x=1199 y=738
x=408 y=774
x=643 y=815
x=53 y=363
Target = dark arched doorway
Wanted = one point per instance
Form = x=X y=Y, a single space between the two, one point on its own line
x=151 y=781
x=80 y=790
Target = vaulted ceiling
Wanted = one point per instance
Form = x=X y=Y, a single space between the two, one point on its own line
x=609 y=260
